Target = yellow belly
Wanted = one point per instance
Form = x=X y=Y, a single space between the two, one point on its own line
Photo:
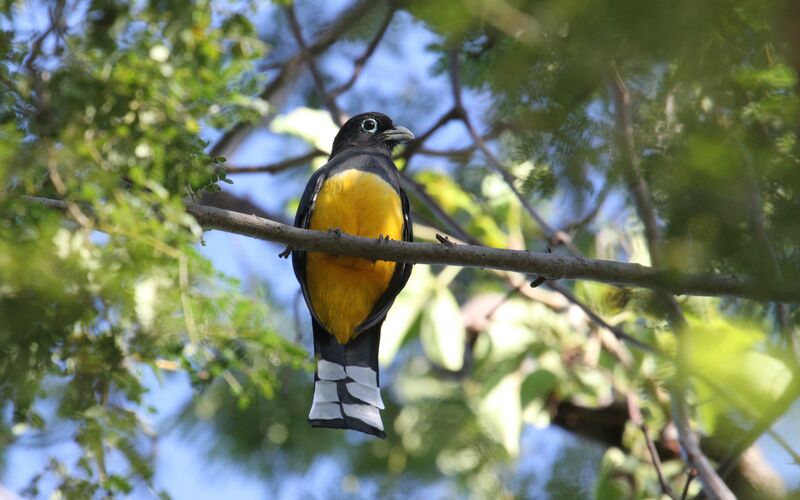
x=343 y=290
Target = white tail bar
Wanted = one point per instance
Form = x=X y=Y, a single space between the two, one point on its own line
x=371 y=395
x=366 y=413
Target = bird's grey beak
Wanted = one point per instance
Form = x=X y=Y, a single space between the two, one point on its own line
x=398 y=134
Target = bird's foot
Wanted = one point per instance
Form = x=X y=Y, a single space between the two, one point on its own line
x=336 y=231
x=444 y=240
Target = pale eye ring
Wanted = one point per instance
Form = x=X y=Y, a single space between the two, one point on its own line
x=369 y=126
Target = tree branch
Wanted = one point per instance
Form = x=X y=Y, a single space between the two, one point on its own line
x=415 y=145
x=319 y=82
x=280 y=166
x=759 y=229
x=631 y=169
x=615 y=330
x=552 y=234
x=241 y=204
x=635 y=416
x=419 y=192
x=713 y=485
x=290 y=68
x=552 y=266
x=361 y=61
x=57 y=24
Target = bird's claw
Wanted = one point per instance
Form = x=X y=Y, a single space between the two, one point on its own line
x=444 y=240
x=538 y=281
x=336 y=231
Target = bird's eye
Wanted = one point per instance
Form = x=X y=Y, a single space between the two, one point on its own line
x=369 y=126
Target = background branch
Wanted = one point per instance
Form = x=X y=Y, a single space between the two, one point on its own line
x=274 y=168
x=290 y=69
x=635 y=415
x=361 y=61
x=319 y=83
x=713 y=485
x=555 y=236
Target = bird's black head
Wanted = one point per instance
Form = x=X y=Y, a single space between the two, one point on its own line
x=370 y=130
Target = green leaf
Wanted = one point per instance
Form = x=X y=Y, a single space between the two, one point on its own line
x=778 y=76
x=510 y=332
x=312 y=125
x=500 y=413
x=405 y=312
x=442 y=330
x=611 y=484
x=728 y=354
x=537 y=385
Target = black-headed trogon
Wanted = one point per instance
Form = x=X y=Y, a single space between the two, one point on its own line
x=357 y=192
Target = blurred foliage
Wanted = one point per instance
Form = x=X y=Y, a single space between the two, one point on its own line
x=107 y=115
x=106 y=110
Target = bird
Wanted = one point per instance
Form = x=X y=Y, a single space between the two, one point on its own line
x=356 y=192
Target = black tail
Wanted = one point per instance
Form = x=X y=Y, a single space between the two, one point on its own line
x=346 y=384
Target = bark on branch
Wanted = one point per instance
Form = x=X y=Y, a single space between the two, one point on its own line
x=551 y=266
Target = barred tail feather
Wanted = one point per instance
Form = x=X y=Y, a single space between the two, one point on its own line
x=346 y=384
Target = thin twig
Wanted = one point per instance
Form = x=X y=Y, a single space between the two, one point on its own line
x=444 y=240
x=417 y=143
x=319 y=82
x=506 y=297
x=689 y=478
x=361 y=61
x=61 y=189
x=447 y=153
x=552 y=234
x=615 y=330
x=635 y=415
x=418 y=191
x=466 y=151
x=274 y=168
x=290 y=68
x=591 y=214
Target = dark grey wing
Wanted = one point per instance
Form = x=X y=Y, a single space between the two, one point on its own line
x=302 y=219
x=402 y=272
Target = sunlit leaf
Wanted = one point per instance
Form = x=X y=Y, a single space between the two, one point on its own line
x=405 y=312
x=500 y=412
x=727 y=355
x=312 y=125
x=442 y=330
x=537 y=385
x=610 y=485
x=510 y=333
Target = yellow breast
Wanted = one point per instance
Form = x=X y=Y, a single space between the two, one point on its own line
x=343 y=290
